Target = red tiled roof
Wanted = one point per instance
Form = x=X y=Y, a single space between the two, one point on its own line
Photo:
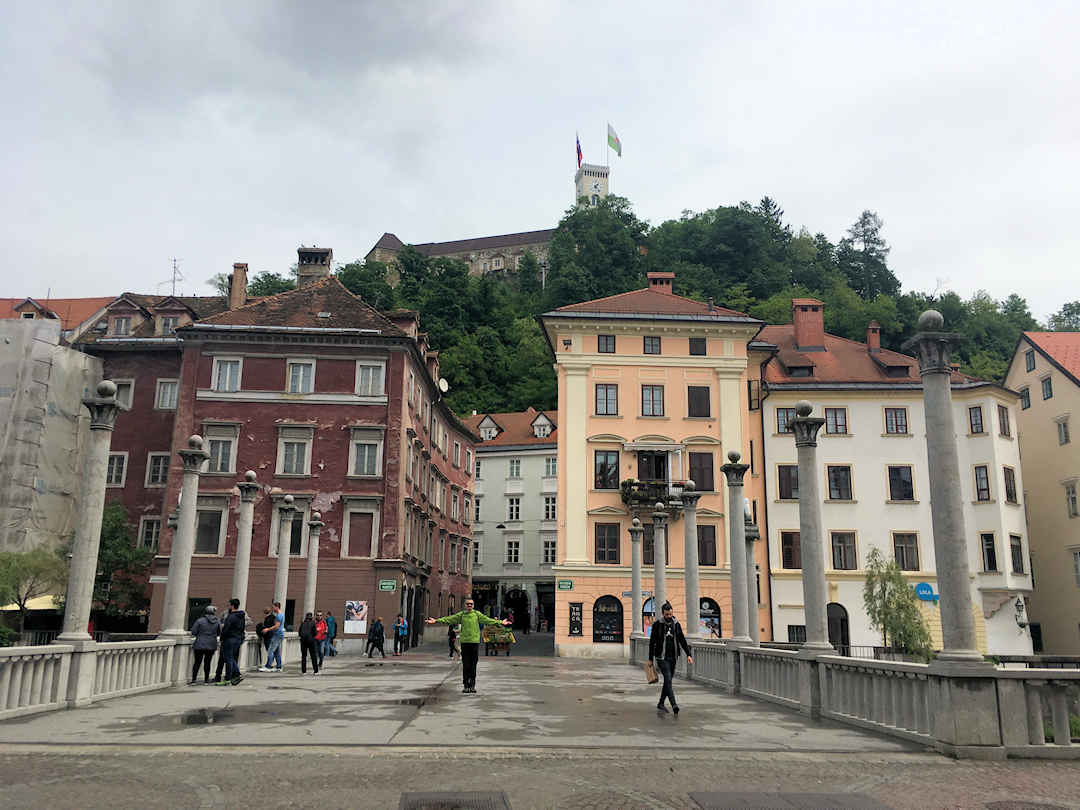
x=516 y=428
x=1062 y=347
x=485 y=242
x=649 y=302
x=70 y=311
x=300 y=309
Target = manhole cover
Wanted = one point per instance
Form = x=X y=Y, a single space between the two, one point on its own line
x=454 y=801
x=786 y=801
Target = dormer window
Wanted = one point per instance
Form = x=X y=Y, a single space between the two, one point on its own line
x=488 y=433
x=121 y=326
x=169 y=324
x=27 y=316
x=896 y=371
x=800 y=371
x=541 y=430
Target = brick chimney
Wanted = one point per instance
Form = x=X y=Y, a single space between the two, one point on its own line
x=238 y=285
x=312 y=265
x=873 y=337
x=808 y=314
x=662 y=283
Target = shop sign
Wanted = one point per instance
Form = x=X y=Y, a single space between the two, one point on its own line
x=566 y=584
x=575 y=618
x=387 y=584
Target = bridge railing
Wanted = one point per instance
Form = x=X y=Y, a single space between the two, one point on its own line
x=890 y=697
x=770 y=675
x=33 y=679
x=128 y=667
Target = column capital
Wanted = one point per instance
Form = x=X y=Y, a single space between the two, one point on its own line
x=804 y=426
x=690 y=496
x=636 y=531
x=659 y=516
x=194 y=456
x=249 y=487
x=734 y=470
x=286 y=506
x=104 y=407
x=315 y=524
x=932 y=346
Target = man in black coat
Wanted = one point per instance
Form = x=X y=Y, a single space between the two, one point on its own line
x=665 y=640
x=232 y=638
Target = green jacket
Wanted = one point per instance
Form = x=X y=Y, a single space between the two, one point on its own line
x=470 y=624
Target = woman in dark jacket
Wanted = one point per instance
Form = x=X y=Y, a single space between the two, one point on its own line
x=665 y=640
x=376 y=638
x=309 y=646
x=206 y=631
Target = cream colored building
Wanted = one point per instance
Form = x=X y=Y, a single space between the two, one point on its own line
x=1045 y=370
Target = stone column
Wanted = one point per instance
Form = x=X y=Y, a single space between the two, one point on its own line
x=84 y=551
x=750 y=530
x=635 y=575
x=281 y=576
x=314 y=530
x=241 y=567
x=174 y=616
x=690 y=499
x=737 y=546
x=946 y=505
x=659 y=554
x=811 y=542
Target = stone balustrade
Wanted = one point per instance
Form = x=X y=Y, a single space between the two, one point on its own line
x=769 y=674
x=712 y=663
x=890 y=697
x=33 y=679
x=129 y=667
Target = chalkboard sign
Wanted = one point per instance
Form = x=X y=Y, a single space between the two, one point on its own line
x=575 y=618
x=607 y=620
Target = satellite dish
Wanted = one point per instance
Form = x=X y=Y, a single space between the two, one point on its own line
x=444 y=386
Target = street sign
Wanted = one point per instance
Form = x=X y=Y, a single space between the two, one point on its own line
x=158 y=579
x=387 y=584
x=630 y=594
x=925 y=591
x=566 y=584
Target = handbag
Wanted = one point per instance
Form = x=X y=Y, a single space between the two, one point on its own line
x=650 y=672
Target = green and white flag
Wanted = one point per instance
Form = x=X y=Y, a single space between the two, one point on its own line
x=613 y=141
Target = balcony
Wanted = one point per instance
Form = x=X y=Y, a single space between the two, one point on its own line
x=641 y=497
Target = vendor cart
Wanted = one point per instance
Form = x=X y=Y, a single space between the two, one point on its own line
x=497 y=639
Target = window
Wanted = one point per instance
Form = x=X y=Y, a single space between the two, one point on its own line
x=896 y=421
x=513 y=509
x=294 y=447
x=497 y=263
x=697 y=399
x=226 y=374
x=796 y=633
x=468 y=462
x=209 y=526
x=789 y=482
x=605 y=344
x=515 y=468
x=457 y=454
x=1016 y=552
x=478 y=467
x=839 y=483
x=1076 y=567
x=1010 y=485
x=369 y=379
x=549 y=507
x=989 y=552
x=1047 y=388
x=549 y=551
x=753 y=394
x=169 y=324
x=606 y=469
x=453 y=559
x=783 y=419
x=165 y=398
x=365 y=452
x=843 y=551
x=1003 y=421
x=1070 y=499
x=906 y=550
x=28 y=316
x=701 y=471
x=125 y=393
x=116 y=472
x=150 y=533
x=652 y=400
x=157 y=469
x=790 y=550
x=607 y=400
x=551 y=467
x=476 y=553
x=1063 y=431
x=476 y=511
x=706 y=545
x=1035 y=628
x=1029 y=359
x=697 y=347
x=901 y=486
x=982 y=483
x=122 y=326
x=301 y=377
x=652 y=345
x=607 y=543
x=975 y=420
x=836 y=421
x=220 y=460
x=466 y=509
x=513 y=551
x=1025 y=398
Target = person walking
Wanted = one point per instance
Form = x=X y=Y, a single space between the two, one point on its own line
x=267 y=622
x=451 y=637
x=376 y=638
x=276 y=632
x=232 y=637
x=322 y=636
x=331 y=629
x=308 y=645
x=206 y=630
x=401 y=635
x=665 y=639
x=470 y=621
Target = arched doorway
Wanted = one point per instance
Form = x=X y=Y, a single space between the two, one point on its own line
x=839 y=635
x=517 y=602
x=607 y=621
x=711 y=625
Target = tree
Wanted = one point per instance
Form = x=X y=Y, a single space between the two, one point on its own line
x=1066 y=319
x=368 y=280
x=123 y=568
x=528 y=276
x=862 y=258
x=893 y=608
x=267 y=283
x=220 y=283
x=26 y=575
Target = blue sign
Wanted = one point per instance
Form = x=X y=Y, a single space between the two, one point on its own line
x=925 y=591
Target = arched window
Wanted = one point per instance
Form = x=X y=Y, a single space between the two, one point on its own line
x=607 y=620
x=839 y=635
x=711 y=624
x=648 y=614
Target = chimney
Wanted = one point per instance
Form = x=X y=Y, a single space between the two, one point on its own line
x=312 y=265
x=661 y=282
x=238 y=285
x=873 y=337
x=808 y=315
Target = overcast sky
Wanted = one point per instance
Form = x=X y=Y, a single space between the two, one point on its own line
x=212 y=132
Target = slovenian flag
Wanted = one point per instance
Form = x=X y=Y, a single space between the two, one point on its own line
x=613 y=141
x=578 y=139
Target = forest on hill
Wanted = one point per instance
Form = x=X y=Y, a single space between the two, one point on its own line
x=744 y=257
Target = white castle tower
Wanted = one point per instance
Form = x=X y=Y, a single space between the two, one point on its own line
x=591 y=182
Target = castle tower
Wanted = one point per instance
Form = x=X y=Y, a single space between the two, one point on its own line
x=591 y=182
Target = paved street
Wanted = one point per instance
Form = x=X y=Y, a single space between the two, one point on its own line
x=549 y=732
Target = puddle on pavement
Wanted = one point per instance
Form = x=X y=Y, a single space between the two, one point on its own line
x=205 y=717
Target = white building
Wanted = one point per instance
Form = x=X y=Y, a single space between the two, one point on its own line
x=516 y=508
x=874 y=483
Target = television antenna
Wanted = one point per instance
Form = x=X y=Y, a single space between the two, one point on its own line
x=176 y=274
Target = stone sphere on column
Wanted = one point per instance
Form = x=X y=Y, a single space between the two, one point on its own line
x=636 y=523
x=804 y=408
x=106 y=389
x=689 y=485
x=734 y=456
x=250 y=476
x=195 y=442
x=931 y=321
x=316 y=516
x=288 y=500
x=659 y=506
